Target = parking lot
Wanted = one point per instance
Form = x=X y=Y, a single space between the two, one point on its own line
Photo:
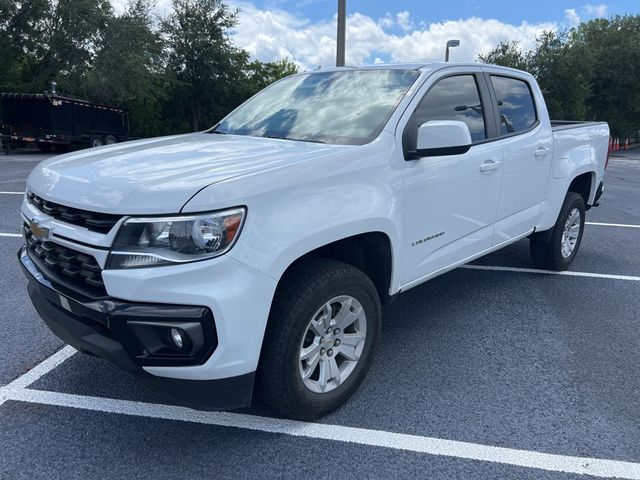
x=494 y=370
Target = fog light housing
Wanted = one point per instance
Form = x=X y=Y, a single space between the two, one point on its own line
x=164 y=335
x=176 y=336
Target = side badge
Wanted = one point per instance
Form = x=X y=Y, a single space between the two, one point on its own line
x=426 y=239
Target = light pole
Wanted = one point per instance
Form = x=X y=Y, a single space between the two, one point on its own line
x=341 y=34
x=452 y=44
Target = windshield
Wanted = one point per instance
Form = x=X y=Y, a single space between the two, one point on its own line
x=346 y=107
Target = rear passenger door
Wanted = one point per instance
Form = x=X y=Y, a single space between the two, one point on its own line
x=527 y=143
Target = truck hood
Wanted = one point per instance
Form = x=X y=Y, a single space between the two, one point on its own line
x=160 y=175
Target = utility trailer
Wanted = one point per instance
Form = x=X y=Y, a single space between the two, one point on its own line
x=51 y=120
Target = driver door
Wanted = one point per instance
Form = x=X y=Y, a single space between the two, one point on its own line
x=450 y=201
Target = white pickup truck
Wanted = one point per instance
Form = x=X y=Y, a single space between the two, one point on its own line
x=258 y=253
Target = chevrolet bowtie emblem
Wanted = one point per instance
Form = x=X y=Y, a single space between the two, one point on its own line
x=38 y=232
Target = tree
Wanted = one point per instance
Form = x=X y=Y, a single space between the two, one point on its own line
x=205 y=69
x=562 y=76
x=610 y=50
x=586 y=73
x=128 y=68
x=21 y=24
x=506 y=54
x=68 y=35
x=261 y=75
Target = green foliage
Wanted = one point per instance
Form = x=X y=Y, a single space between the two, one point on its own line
x=586 y=73
x=260 y=75
x=128 y=69
x=173 y=75
x=506 y=54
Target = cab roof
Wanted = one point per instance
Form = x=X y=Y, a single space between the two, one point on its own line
x=422 y=66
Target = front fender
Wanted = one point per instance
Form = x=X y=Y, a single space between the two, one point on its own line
x=293 y=211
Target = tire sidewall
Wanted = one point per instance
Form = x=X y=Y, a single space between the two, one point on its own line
x=572 y=201
x=357 y=285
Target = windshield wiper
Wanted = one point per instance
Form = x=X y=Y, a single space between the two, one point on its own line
x=291 y=138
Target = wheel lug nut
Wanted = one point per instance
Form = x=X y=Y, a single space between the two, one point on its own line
x=336 y=331
x=328 y=331
x=336 y=343
x=330 y=352
x=322 y=350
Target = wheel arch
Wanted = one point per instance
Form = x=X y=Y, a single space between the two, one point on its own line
x=370 y=252
x=584 y=184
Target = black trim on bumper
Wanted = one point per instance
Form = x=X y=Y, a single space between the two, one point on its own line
x=131 y=335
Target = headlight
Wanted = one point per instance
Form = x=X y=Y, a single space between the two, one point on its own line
x=151 y=241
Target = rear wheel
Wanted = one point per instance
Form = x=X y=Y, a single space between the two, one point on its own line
x=556 y=250
x=320 y=339
x=110 y=140
x=96 y=141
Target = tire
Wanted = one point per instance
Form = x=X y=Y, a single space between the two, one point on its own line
x=61 y=148
x=110 y=140
x=96 y=141
x=299 y=301
x=44 y=147
x=550 y=250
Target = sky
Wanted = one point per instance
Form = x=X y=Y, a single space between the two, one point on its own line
x=400 y=31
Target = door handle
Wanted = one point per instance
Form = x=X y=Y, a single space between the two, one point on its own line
x=489 y=166
x=542 y=151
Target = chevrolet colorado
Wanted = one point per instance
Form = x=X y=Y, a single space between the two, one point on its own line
x=258 y=253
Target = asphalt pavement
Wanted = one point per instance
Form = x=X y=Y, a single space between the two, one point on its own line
x=478 y=372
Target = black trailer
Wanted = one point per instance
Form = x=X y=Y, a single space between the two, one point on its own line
x=51 y=120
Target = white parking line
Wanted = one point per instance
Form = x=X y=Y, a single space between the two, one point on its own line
x=12 y=235
x=42 y=368
x=11 y=193
x=17 y=391
x=37 y=372
x=551 y=272
x=621 y=225
x=339 y=433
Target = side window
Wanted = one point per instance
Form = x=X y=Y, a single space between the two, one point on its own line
x=452 y=98
x=515 y=104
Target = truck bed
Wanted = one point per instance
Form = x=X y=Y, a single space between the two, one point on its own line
x=557 y=125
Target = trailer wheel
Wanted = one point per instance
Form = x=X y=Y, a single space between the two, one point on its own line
x=111 y=139
x=96 y=141
x=45 y=147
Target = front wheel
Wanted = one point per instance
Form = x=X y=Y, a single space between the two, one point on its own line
x=556 y=250
x=320 y=339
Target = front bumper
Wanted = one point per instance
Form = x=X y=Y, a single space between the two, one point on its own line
x=135 y=335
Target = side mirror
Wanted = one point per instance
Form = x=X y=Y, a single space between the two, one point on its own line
x=443 y=137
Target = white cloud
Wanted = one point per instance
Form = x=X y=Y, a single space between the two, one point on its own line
x=572 y=17
x=599 y=10
x=386 y=21
x=273 y=34
x=404 y=21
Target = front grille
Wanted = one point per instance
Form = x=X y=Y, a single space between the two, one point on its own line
x=60 y=264
x=94 y=221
